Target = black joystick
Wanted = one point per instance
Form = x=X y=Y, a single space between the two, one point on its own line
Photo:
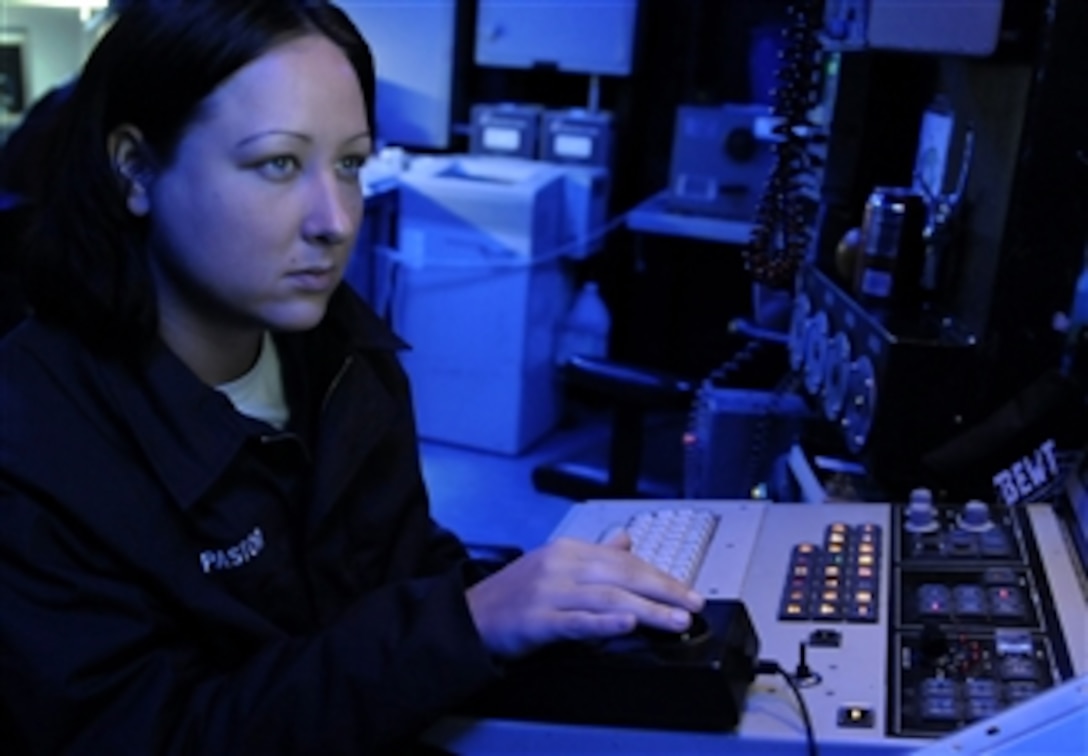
x=933 y=643
x=674 y=645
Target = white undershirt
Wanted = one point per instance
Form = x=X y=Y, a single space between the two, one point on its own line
x=259 y=392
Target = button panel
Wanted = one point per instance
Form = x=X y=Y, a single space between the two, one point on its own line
x=837 y=580
x=970 y=624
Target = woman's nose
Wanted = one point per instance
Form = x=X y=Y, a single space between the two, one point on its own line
x=334 y=211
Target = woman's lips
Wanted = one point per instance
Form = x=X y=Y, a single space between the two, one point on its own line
x=314 y=279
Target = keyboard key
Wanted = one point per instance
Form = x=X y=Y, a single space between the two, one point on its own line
x=673 y=540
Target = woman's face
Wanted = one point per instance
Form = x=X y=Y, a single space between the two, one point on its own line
x=254 y=219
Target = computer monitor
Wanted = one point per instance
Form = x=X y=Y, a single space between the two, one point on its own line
x=415 y=91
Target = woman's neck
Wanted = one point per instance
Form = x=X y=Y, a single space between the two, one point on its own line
x=215 y=355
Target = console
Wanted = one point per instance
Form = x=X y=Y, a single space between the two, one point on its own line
x=893 y=385
x=907 y=621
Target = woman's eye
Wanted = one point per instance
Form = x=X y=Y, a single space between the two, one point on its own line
x=279 y=167
x=350 y=166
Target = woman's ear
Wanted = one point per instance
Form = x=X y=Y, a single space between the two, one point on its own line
x=132 y=166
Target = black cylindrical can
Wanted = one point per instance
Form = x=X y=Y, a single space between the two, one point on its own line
x=892 y=247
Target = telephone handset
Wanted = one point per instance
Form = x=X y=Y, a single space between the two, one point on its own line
x=696 y=680
x=781 y=235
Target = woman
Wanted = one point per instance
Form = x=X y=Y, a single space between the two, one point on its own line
x=214 y=536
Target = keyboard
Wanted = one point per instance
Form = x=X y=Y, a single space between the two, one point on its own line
x=674 y=540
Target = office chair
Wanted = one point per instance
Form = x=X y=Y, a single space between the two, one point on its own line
x=634 y=394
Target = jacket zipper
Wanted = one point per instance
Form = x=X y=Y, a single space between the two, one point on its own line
x=298 y=538
x=335 y=383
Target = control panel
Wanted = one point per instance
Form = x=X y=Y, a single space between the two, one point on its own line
x=898 y=623
x=975 y=630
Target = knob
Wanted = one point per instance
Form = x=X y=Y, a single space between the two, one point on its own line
x=975 y=516
x=741 y=145
x=921 y=514
x=933 y=643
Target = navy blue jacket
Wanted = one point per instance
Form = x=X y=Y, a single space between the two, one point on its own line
x=177 y=578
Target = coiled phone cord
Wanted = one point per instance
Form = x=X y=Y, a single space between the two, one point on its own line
x=782 y=229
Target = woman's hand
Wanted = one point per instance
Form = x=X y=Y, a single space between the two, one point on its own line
x=571 y=590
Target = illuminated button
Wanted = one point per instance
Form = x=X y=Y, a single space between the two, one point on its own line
x=800 y=570
x=831 y=582
x=796 y=595
x=866 y=548
x=825 y=609
x=862 y=613
x=863 y=597
x=794 y=609
x=864 y=572
x=834 y=548
x=804 y=553
x=856 y=716
x=831 y=570
x=836 y=537
x=865 y=560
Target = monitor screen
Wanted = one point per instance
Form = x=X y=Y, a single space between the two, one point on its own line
x=414 y=90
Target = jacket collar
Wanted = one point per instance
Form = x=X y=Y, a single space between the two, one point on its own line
x=189 y=431
x=351 y=320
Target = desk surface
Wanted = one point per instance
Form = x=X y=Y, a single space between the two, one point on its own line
x=504 y=737
x=652 y=216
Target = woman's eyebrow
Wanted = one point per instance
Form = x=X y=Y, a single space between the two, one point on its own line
x=296 y=135
x=272 y=132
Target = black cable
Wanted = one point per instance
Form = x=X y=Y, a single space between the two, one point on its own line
x=765 y=667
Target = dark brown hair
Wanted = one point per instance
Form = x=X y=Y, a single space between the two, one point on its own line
x=153 y=69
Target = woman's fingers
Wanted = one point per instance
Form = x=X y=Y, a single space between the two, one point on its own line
x=608 y=599
x=617 y=538
x=592 y=565
x=572 y=590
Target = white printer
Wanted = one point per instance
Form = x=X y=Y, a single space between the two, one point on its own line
x=477 y=292
x=480 y=208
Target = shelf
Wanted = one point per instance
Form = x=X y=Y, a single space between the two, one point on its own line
x=653 y=217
